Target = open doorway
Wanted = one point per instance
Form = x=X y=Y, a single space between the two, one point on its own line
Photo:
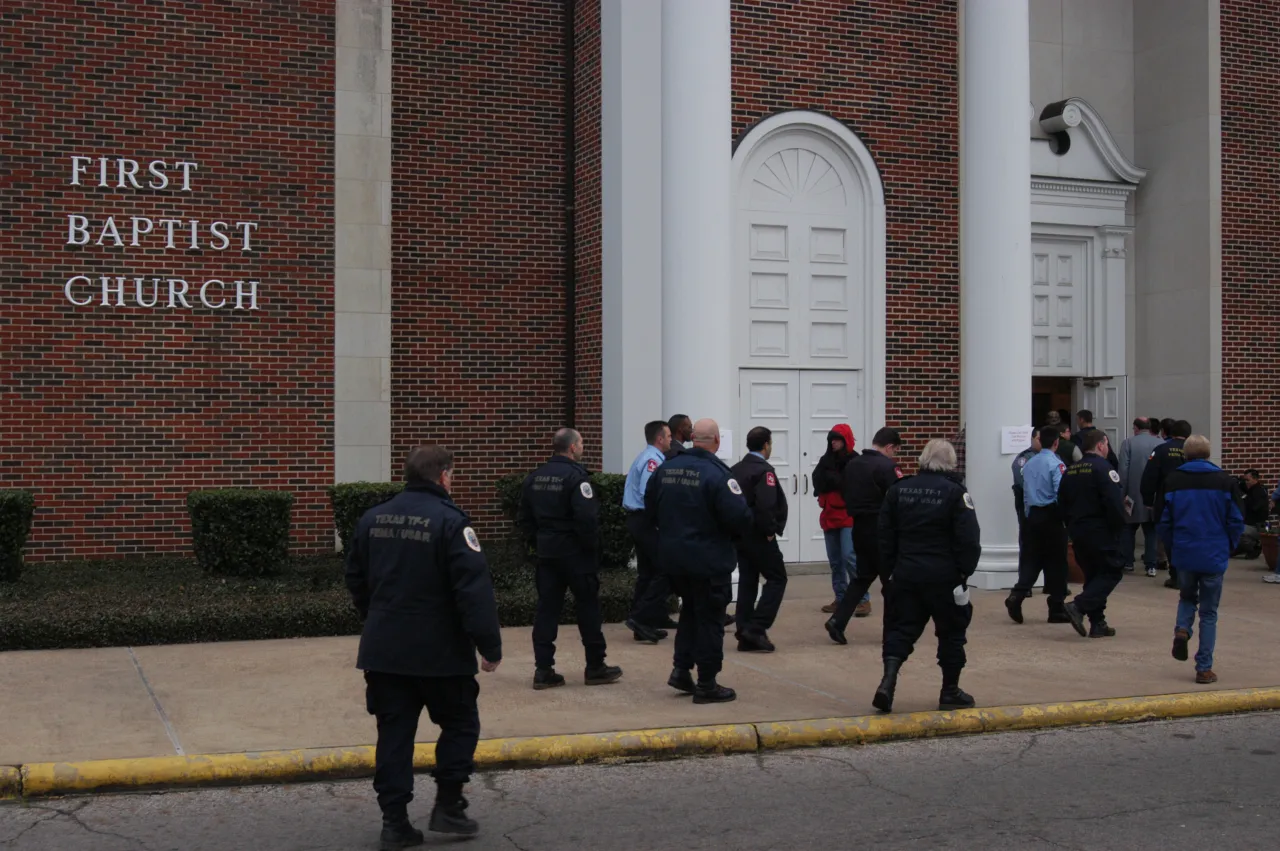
x=1051 y=393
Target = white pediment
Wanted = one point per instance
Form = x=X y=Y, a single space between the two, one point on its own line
x=1080 y=147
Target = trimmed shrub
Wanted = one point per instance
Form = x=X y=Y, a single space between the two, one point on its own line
x=17 y=507
x=616 y=546
x=351 y=500
x=132 y=602
x=240 y=532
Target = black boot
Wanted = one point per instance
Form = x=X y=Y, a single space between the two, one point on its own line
x=645 y=634
x=883 y=699
x=397 y=832
x=1057 y=612
x=952 y=696
x=754 y=641
x=835 y=631
x=544 y=678
x=450 y=812
x=1101 y=629
x=712 y=692
x=1014 y=604
x=602 y=674
x=1075 y=617
x=681 y=680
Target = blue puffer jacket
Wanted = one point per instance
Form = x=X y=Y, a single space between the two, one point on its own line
x=1202 y=522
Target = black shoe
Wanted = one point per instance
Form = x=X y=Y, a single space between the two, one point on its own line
x=645 y=634
x=544 y=678
x=681 y=680
x=1014 y=604
x=954 y=697
x=729 y=619
x=755 y=642
x=452 y=818
x=399 y=833
x=834 y=630
x=1171 y=583
x=713 y=693
x=1101 y=629
x=1058 y=615
x=883 y=699
x=1076 y=617
x=666 y=623
x=602 y=675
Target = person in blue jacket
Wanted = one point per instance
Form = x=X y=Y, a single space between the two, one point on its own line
x=1200 y=525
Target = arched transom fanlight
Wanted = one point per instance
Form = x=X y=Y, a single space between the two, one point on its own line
x=799 y=176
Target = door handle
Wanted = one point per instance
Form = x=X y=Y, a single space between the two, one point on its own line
x=806 y=483
x=795 y=484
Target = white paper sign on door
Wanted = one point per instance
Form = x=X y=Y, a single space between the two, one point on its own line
x=1014 y=439
x=725 y=453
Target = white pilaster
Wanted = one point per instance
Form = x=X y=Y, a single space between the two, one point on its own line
x=362 y=249
x=697 y=212
x=631 y=229
x=995 y=227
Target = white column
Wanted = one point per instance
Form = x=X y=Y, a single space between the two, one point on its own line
x=697 y=211
x=631 y=225
x=995 y=228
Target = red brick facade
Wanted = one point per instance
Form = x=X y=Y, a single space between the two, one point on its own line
x=478 y=242
x=587 y=206
x=112 y=414
x=1250 y=262
x=887 y=69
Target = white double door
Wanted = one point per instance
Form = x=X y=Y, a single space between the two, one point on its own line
x=800 y=407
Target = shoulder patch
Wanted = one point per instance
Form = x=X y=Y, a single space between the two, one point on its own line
x=968 y=501
x=1062 y=468
x=652 y=465
x=1151 y=456
x=734 y=487
x=585 y=489
x=1114 y=476
x=897 y=472
x=1022 y=462
x=469 y=535
x=771 y=480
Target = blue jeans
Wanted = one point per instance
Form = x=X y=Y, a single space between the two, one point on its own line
x=1129 y=542
x=1205 y=590
x=844 y=564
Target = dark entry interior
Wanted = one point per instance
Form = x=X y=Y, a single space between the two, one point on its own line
x=1050 y=393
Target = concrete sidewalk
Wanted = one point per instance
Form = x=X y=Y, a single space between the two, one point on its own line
x=74 y=705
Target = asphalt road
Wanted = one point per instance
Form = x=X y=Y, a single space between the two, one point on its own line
x=1211 y=783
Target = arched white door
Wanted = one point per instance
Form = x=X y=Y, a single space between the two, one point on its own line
x=808 y=310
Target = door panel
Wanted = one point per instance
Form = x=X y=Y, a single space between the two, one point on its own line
x=1059 y=281
x=771 y=398
x=800 y=407
x=1107 y=399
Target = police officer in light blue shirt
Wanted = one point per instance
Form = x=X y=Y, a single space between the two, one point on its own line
x=1046 y=534
x=649 y=608
x=1019 y=503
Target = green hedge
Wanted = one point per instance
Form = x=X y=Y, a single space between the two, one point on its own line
x=240 y=532
x=616 y=546
x=17 y=507
x=351 y=500
x=172 y=601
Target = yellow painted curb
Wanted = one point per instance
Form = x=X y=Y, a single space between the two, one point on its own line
x=62 y=778
x=880 y=728
x=10 y=782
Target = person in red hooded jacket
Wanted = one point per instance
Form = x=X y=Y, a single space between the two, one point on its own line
x=837 y=525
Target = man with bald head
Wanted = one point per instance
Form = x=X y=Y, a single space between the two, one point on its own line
x=698 y=509
x=560 y=516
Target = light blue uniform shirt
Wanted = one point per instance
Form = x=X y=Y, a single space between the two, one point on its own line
x=638 y=477
x=1040 y=479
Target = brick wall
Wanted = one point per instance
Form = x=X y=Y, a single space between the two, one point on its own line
x=477 y=326
x=112 y=414
x=887 y=69
x=1250 y=262
x=587 y=204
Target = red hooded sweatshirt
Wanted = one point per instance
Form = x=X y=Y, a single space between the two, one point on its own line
x=828 y=480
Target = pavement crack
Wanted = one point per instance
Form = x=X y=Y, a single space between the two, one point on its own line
x=13 y=839
x=73 y=815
